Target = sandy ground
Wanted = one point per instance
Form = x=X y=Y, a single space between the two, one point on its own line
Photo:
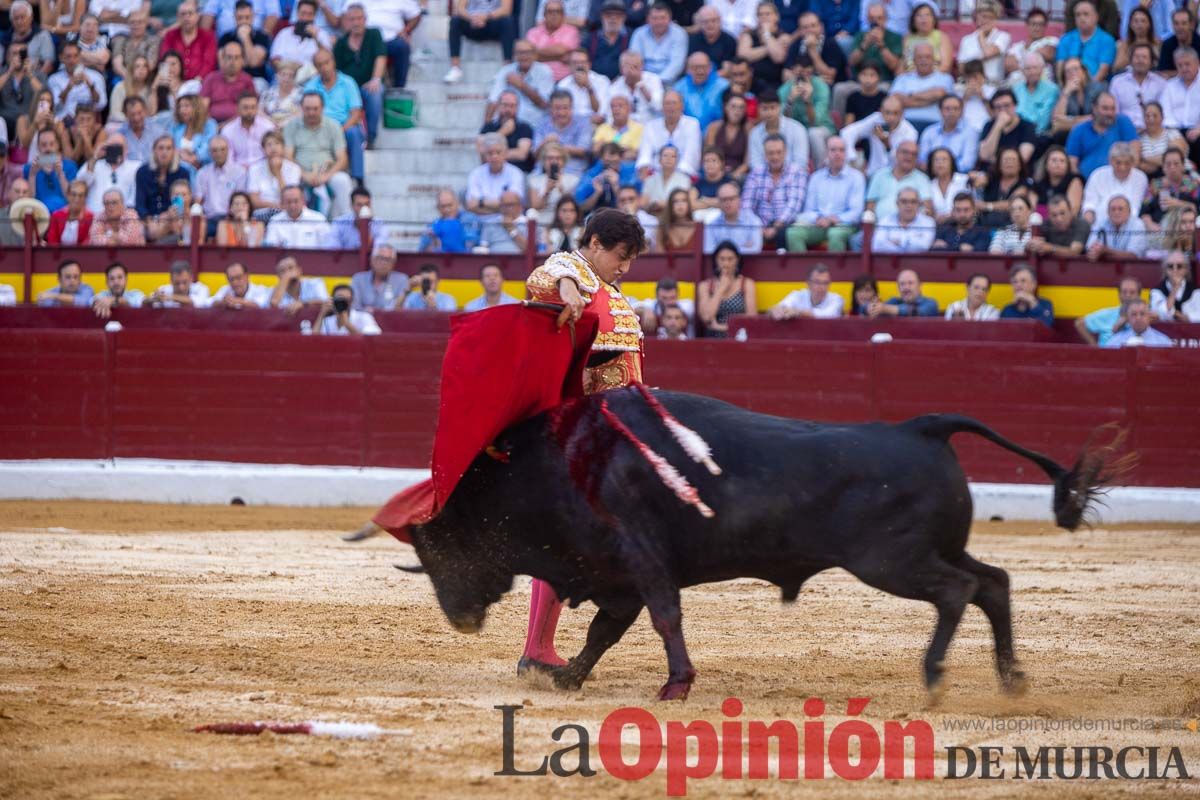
x=122 y=626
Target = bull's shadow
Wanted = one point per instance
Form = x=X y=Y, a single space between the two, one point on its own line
x=578 y=506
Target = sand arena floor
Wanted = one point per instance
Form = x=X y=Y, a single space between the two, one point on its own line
x=122 y=626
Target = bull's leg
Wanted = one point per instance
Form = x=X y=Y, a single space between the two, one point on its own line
x=933 y=580
x=607 y=628
x=993 y=599
x=667 y=617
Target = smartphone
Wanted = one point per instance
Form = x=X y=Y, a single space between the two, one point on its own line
x=177 y=204
x=553 y=172
x=426 y=285
x=44 y=107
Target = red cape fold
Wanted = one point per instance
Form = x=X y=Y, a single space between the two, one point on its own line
x=502 y=365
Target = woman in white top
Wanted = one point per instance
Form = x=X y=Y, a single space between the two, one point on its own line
x=986 y=43
x=945 y=183
x=1157 y=140
x=1013 y=239
x=136 y=85
x=974 y=307
x=667 y=179
x=1168 y=299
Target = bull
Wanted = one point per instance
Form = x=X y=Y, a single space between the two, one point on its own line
x=565 y=498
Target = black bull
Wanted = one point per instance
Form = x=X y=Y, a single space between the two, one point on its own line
x=576 y=505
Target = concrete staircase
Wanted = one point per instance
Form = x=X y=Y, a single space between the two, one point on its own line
x=407 y=167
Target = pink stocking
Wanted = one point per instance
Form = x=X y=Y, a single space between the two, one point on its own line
x=544 y=609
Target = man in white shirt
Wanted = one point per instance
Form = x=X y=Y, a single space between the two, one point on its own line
x=884 y=131
x=267 y=178
x=644 y=89
x=908 y=230
x=772 y=122
x=338 y=316
x=673 y=128
x=815 y=301
x=240 y=292
x=297 y=226
x=300 y=42
x=182 y=290
x=986 y=43
x=734 y=223
x=1120 y=177
x=110 y=170
x=1136 y=86
x=588 y=89
x=1181 y=99
x=666 y=295
x=493 y=178
x=75 y=84
x=532 y=80
x=736 y=15
x=293 y=290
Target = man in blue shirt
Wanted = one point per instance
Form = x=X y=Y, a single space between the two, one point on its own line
x=219 y=15
x=1026 y=304
x=910 y=303
x=49 y=172
x=1089 y=43
x=598 y=186
x=1138 y=331
x=833 y=203
x=421 y=298
x=343 y=104
x=343 y=230
x=961 y=233
x=1089 y=142
x=662 y=44
x=922 y=88
x=702 y=89
x=953 y=134
x=1099 y=326
x=71 y=290
x=454 y=231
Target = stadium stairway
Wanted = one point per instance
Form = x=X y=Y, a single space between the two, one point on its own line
x=408 y=166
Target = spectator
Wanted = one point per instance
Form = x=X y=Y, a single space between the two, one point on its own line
x=712 y=40
x=1066 y=234
x=9 y=236
x=9 y=172
x=1036 y=96
x=652 y=313
x=833 y=205
x=238 y=228
x=393 y=25
x=741 y=79
x=344 y=233
x=343 y=104
x=1119 y=177
x=765 y=48
x=661 y=43
x=507 y=232
x=627 y=201
x=1138 y=331
x=923 y=29
x=1099 y=326
x=82 y=136
x=735 y=224
x=908 y=230
x=622 y=131
x=588 y=89
x=573 y=134
x=479 y=21
x=380 y=286
x=676 y=228
x=49 y=172
x=828 y=58
x=1173 y=297
x=173 y=226
x=182 y=291
x=1155 y=140
x=974 y=307
x=153 y=180
x=665 y=181
x=1026 y=304
x=1183 y=23
x=138 y=42
x=38 y=116
x=532 y=81
x=1075 y=100
x=1138 y=86
x=245 y=132
x=318 y=141
x=118 y=225
x=223 y=88
x=297 y=226
x=605 y=44
x=976 y=94
x=1006 y=179
x=16 y=90
x=240 y=292
x=117 y=294
x=730 y=136
x=864 y=294
x=1091 y=141
x=815 y=301
x=1139 y=30
x=551 y=185
x=841 y=20
x=1013 y=239
x=454 y=231
x=1178 y=233
x=910 y=303
x=266 y=179
x=884 y=132
x=281 y=101
x=1175 y=188
x=1181 y=99
x=599 y=186
x=945 y=184
x=1109 y=15
x=712 y=175
x=1039 y=42
x=302 y=41
x=1008 y=130
x=71 y=224
x=773 y=123
x=702 y=90
x=952 y=134
x=1055 y=177
x=1120 y=235
x=38 y=44
x=93 y=48
x=961 y=233
x=673 y=128
x=196 y=46
x=423 y=294
x=254 y=46
x=986 y=43
x=1092 y=45
x=71 y=290
x=775 y=192
x=222 y=15
x=293 y=291
x=727 y=293
x=517 y=134
x=495 y=176
x=554 y=39
x=192 y=129
x=806 y=100
x=139 y=133
x=565 y=231
x=866 y=99
x=877 y=45
x=883 y=188
x=338 y=317
x=76 y=84
x=674 y=324
x=644 y=89
x=734 y=16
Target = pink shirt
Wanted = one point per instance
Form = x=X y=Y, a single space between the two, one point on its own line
x=245 y=146
x=566 y=35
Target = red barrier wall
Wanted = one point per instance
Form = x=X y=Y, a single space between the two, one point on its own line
x=282 y=398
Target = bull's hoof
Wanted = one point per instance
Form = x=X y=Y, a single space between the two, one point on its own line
x=567 y=680
x=529 y=665
x=675 y=691
x=935 y=692
x=1015 y=683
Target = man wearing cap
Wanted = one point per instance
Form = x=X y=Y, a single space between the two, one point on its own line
x=606 y=44
x=221 y=89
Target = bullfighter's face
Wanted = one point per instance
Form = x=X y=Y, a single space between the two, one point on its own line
x=465 y=580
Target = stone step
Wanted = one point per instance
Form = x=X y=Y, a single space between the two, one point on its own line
x=477 y=75
x=420 y=161
x=395 y=209
x=459 y=119
x=425 y=138
x=437 y=92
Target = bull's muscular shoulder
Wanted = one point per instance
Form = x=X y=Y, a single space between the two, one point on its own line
x=543 y=282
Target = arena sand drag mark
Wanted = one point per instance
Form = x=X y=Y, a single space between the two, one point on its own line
x=120 y=637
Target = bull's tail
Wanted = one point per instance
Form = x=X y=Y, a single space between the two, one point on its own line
x=1076 y=490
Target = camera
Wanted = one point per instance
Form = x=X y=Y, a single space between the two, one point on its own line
x=112 y=154
x=426 y=285
x=341 y=305
x=301 y=29
x=553 y=172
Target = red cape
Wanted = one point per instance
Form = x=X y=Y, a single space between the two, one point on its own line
x=502 y=365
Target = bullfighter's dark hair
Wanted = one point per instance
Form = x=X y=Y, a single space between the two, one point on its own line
x=612 y=228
